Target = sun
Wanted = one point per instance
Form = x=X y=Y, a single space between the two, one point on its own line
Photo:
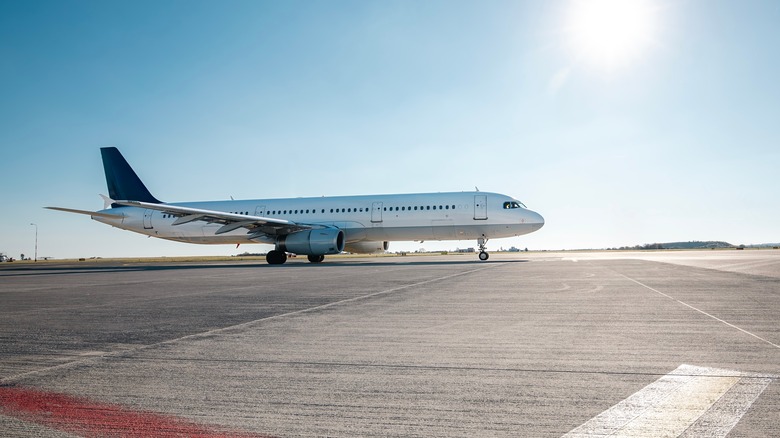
x=609 y=34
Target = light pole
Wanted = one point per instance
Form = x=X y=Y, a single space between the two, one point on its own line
x=36 y=241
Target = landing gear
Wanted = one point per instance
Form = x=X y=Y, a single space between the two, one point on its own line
x=316 y=258
x=483 y=255
x=276 y=257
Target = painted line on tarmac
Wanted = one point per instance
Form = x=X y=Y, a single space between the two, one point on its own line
x=701 y=311
x=318 y=308
x=85 y=417
x=11 y=379
x=690 y=401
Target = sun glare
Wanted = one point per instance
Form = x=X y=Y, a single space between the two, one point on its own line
x=609 y=34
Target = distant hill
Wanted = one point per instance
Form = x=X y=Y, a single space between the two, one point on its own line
x=683 y=245
x=697 y=245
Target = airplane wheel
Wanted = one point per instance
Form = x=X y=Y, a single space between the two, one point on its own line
x=276 y=257
x=484 y=256
x=316 y=258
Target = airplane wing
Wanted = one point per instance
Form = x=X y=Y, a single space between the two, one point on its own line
x=230 y=221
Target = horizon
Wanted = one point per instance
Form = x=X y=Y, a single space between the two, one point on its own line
x=424 y=251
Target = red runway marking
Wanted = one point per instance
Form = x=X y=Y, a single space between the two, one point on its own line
x=94 y=419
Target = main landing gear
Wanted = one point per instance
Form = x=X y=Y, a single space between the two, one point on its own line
x=277 y=257
x=483 y=255
x=316 y=258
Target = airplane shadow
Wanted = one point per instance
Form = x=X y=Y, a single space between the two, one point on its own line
x=28 y=270
x=340 y=263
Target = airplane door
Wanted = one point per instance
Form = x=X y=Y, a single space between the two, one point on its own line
x=376 y=212
x=260 y=210
x=148 y=219
x=480 y=207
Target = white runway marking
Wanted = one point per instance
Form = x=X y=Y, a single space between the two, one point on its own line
x=690 y=401
x=701 y=311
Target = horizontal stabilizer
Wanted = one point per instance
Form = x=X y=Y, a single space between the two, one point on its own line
x=90 y=213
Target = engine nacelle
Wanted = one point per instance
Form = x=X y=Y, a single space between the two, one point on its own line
x=313 y=242
x=367 y=247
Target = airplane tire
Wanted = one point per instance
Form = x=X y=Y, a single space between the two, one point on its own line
x=316 y=258
x=276 y=257
x=484 y=256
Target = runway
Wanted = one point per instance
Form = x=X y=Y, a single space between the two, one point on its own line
x=538 y=344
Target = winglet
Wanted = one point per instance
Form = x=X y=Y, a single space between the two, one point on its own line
x=121 y=179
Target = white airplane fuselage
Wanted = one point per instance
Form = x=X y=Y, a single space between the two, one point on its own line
x=314 y=227
x=371 y=218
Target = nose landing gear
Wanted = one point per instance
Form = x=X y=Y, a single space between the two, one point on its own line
x=483 y=255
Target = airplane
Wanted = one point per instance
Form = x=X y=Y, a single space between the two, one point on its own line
x=314 y=227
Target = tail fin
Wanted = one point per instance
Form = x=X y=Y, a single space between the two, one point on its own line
x=123 y=183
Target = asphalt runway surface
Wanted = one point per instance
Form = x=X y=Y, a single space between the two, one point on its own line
x=540 y=345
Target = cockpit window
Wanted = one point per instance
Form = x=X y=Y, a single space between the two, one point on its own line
x=514 y=204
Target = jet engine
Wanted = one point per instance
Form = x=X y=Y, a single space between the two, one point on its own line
x=367 y=247
x=313 y=242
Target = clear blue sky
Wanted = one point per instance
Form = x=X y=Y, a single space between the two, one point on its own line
x=675 y=136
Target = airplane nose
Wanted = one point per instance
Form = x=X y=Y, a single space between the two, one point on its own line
x=534 y=218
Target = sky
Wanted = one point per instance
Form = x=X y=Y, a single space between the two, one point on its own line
x=621 y=122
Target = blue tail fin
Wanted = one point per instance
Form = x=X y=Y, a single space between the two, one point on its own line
x=123 y=183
